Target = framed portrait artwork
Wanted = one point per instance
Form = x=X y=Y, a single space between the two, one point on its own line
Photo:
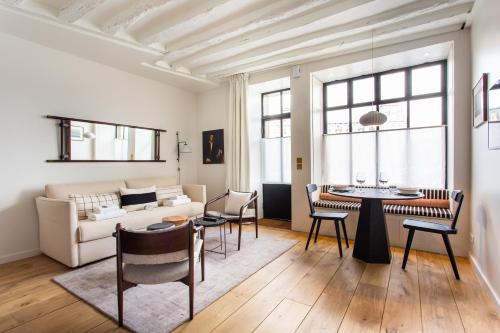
x=76 y=133
x=479 y=101
x=213 y=147
x=494 y=112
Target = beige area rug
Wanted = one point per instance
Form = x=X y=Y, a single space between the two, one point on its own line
x=161 y=308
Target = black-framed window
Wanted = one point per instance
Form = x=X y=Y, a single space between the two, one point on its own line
x=276 y=141
x=276 y=114
x=415 y=102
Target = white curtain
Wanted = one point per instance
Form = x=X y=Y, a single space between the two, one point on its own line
x=237 y=157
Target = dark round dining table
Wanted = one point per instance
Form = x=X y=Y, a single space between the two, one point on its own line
x=372 y=240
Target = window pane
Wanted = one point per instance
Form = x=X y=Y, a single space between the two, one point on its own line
x=426 y=112
x=337 y=121
x=272 y=128
x=414 y=157
x=286 y=101
x=271 y=160
x=336 y=94
x=396 y=115
x=356 y=114
x=286 y=127
x=363 y=156
x=337 y=159
x=392 y=85
x=272 y=104
x=363 y=90
x=426 y=80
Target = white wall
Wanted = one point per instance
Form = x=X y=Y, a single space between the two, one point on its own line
x=485 y=213
x=36 y=81
x=213 y=108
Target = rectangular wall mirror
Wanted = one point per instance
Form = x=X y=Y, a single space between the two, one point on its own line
x=84 y=140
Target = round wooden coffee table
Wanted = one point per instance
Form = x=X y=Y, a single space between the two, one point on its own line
x=175 y=219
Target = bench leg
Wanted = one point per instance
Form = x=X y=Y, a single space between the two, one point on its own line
x=451 y=255
x=345 y=234
x=411 y=232
x=339 y=238
x=310 y=233
x=317 y=231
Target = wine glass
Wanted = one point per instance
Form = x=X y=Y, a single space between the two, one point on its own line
x=383 y=179
x=360 y=178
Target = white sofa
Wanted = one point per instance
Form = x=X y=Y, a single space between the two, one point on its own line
x=76 y=242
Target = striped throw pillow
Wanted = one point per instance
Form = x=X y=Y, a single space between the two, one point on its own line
x=86 y=203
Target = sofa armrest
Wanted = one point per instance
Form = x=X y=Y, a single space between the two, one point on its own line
x=197 y=193
x=58 y=226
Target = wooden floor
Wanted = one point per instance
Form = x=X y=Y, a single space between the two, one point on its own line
x=313 y=291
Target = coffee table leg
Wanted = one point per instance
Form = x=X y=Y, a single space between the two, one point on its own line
x=372 y=240
x=220 y=236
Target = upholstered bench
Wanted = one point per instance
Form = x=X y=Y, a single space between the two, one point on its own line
x=435 y=204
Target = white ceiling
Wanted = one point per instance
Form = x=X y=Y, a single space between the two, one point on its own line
x=195 y=43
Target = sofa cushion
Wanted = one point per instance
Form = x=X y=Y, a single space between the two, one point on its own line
x=91 y=230
x=436 y=212
x=436 y=203
x=62 y=191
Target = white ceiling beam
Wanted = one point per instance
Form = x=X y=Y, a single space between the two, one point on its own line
x=262 y=15
x=125 y=19
x=196 y=12
x=314 y=15
x=409 y=10
x=76 y=9
x=389 y=17
x=341 y=45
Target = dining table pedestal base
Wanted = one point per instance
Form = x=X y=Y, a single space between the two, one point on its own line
x=372 y=240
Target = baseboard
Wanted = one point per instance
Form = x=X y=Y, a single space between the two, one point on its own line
x=485 y=282
x=19 y=255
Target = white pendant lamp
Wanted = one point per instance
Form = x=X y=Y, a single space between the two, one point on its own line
x=373 y=117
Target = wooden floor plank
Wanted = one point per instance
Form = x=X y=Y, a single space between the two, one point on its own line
x=402 y=306
x=108 y=326
x=308 y=290
x=476 y=309
x=327 y=313
x=367 y=305
x=248 y=317
x=439 y=311
x=286 y=317
x=77 y=317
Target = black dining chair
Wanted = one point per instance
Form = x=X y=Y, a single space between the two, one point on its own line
x=320 y=216
x=457 y=198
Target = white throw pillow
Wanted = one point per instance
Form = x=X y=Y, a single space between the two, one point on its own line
x=133 y=199
x=167 y=192
x=234 y=202
x=86 y=203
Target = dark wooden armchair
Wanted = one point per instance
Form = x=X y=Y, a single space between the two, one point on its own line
x=155 y=257
x=248 y=213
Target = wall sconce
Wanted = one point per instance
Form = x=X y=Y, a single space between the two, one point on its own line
x=182 y=148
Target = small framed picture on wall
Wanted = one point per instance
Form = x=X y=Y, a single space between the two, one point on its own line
x=479 y=101
x=213 y=147
x=494 y=112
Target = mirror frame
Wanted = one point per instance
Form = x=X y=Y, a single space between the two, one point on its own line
x=65 y=140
